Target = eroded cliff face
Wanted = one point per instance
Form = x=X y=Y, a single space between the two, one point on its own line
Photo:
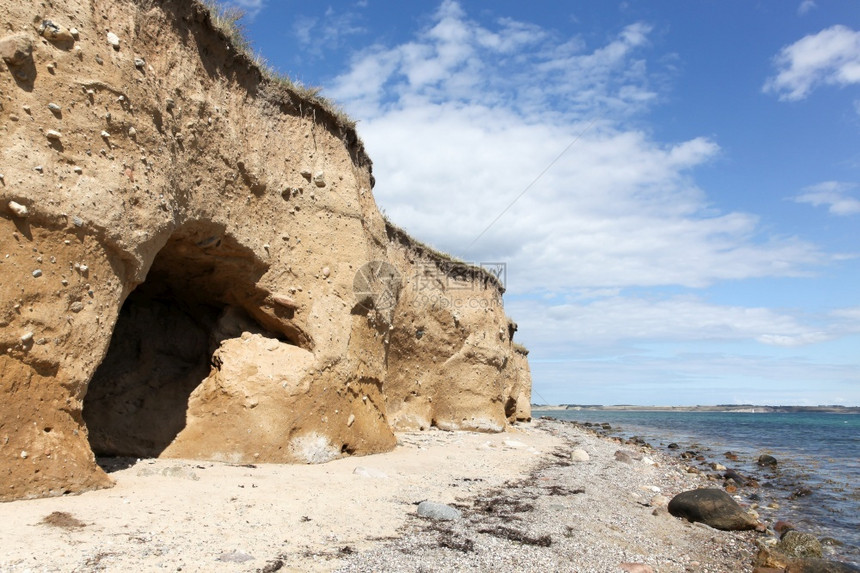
x=192 y=264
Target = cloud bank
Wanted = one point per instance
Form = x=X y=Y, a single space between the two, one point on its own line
x=467 y=114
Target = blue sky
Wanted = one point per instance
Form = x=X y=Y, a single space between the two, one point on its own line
x=692 y=230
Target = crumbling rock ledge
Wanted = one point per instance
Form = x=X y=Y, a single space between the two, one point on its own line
x=192 y=264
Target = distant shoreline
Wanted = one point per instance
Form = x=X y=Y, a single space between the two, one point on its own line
x=740 y=408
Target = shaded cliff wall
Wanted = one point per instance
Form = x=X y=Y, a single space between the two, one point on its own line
x=180 y=241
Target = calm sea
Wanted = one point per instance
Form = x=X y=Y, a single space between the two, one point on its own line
x=818 y=451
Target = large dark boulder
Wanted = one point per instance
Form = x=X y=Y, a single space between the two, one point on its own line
x=712 y=507
x=767 y=461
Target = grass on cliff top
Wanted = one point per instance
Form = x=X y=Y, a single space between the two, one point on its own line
x=440 y=257
x=228 y=19
x=521 y=349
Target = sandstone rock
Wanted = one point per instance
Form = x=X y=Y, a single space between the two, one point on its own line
x=164 y=342
x=438 y=511
x=16 y=49
x=579 y=456
x=713 y=507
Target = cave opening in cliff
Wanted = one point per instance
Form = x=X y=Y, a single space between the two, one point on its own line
x=163 y=341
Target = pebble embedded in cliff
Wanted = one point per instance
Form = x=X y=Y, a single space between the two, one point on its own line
x=113 y=40
x=139 y=63
x=55 y=33
x=16 y=49
x=53 y=134
x=285 y=301
x=712 y=507
x=319 y=179
x=19 y=210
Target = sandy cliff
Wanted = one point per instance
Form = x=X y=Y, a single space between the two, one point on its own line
x=192 y=264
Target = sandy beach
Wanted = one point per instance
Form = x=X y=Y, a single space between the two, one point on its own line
x=525 y=504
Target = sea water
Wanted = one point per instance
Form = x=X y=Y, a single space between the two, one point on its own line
x=819 y=451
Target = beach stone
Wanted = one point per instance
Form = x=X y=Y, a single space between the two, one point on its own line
x=673 y=446
x=636 y=568
x=800 y=492
x=820 y=566
x=16 y=49
x=734 y=476
x=782 y=527
x=623 y=457
x=766 y=460
x=235 y=557
x=713 y=507
x=438 y=511
x=369 y=472
x=799 y=544
x=771 y=558
x=181 y=472
x=579 y=456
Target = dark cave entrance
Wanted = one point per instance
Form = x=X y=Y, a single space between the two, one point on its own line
x=163 y=341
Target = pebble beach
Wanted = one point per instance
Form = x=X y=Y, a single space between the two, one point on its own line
x=543 y=496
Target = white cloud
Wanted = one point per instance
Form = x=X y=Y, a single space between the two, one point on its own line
x=465 y=115
x=830 y=57
x=834 y=195
x=462 y=119
x=328 y=32
x=628 y=319
x=806 y=6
